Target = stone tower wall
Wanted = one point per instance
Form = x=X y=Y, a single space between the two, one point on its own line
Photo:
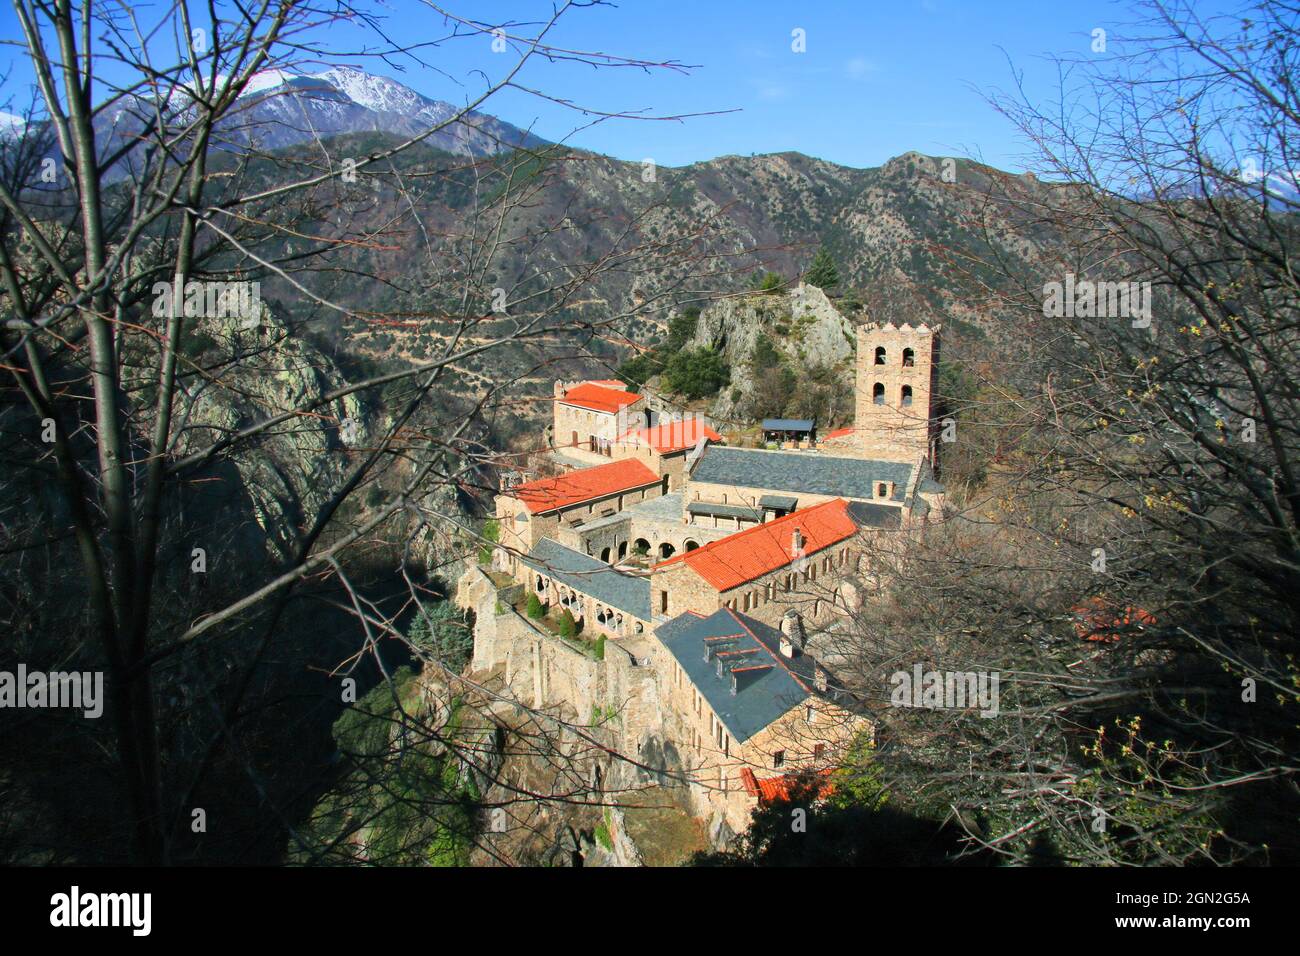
x=892 y=431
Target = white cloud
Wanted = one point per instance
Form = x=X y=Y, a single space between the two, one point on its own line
x=860 y=68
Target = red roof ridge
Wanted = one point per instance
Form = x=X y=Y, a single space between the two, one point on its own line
x=583 y=484
x=805 y=520
x=653 y=435
x=598 y=397
x=771 y=789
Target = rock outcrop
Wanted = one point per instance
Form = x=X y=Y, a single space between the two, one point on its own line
x=802 y=325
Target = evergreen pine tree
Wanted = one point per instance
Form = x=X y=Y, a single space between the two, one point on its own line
x=823 y=272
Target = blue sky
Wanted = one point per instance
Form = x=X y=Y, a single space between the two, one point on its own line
x=877 y=78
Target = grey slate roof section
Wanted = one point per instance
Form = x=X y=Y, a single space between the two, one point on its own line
x=870 y=515
x=761 y=699
x=928 y=484
x=778 y=502
x=723 y=511
x=800 y=472
x=787 y=424
x=664 y=508
x=584 y=573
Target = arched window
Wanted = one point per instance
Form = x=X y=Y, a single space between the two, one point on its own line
x=878 y=393
x=880 y=355
x=906 y=397
x=909 y=358
x=604 y=554
x=691 y=545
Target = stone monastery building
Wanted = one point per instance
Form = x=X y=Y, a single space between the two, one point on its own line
x=705 y=568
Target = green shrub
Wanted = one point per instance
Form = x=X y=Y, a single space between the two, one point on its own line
x=491 y=532
x=568 y=626
x=598 y=651
x=535 y=609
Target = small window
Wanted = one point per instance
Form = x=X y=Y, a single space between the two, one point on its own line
x=810 y=713
x=778 y=759
x=909 y=358
x=878 y=393
x=819 y=752
x=882 y=490
x=880 y=355
x=906 y=397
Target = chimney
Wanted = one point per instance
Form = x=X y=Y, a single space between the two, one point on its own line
x=796 y=542
x=792 y=630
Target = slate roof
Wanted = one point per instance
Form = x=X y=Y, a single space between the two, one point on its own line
x=599 y=397
x=767 y=683
x=547 y=494
x=800 y=472
x=582 y=572
x=723 y=511
x=788 y=424
x=870 y=515
x=731 y=561
x=778 y=502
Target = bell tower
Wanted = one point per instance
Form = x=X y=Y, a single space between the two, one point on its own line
x=897 y=371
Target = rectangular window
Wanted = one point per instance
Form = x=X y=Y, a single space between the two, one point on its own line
x=778 y=759
x=819 y=752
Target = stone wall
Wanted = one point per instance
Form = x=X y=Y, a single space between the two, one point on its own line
x=542 y=671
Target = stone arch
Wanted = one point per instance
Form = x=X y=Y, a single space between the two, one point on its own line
x=690 y=545
x=878 y=393
x=641 y=546
x=880 y=355
x=604 y=555
x=905 y=396
x=666 y=550
x=622 y=550
x=909 y=358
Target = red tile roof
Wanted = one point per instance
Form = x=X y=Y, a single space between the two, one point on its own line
x=547 y=494
x=1098 y=620
x=782 y=789
x=672 y=436
x=731 y=561
x=599 y=397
